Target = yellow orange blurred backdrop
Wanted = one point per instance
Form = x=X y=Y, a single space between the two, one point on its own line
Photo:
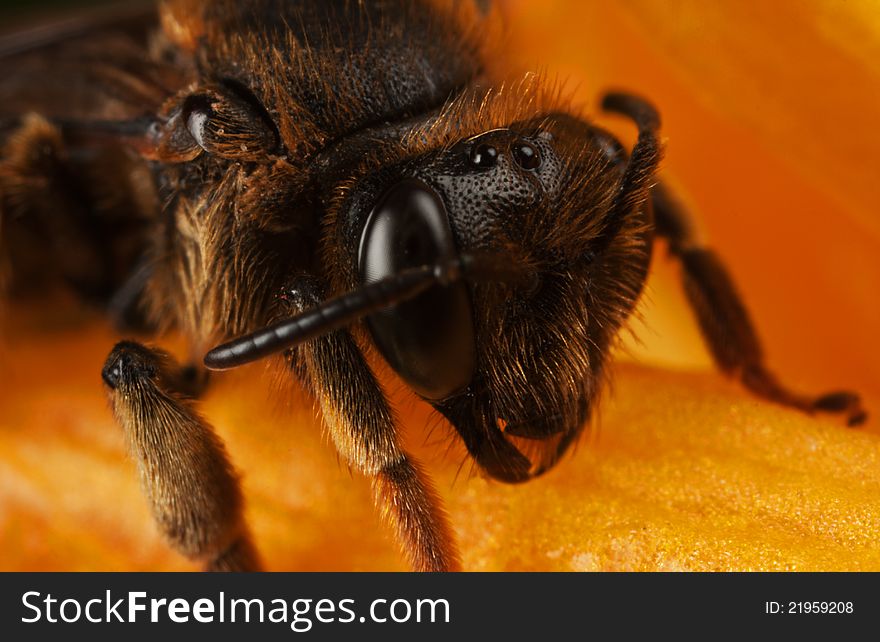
x=768 y=111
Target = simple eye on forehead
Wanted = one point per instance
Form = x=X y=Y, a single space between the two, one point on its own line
x=526 y=155
x=484 y=151
x=483 y=156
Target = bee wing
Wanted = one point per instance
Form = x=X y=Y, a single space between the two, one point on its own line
x=31 y=34
x=87 y=65
x=83 y=198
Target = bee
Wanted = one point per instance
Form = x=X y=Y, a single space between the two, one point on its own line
x=320 y=182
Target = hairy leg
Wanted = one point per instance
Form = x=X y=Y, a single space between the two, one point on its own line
x=364 y=432
x=725 y=322
x=52 y=227
x=185 y=472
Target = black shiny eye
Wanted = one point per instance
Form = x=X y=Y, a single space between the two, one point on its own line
x=484 y=156
x=429 y=341
x=526 y=156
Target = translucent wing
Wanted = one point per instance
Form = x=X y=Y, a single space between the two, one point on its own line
x=83 y=64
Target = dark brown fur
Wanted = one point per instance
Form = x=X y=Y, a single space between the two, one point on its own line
x=184 y=470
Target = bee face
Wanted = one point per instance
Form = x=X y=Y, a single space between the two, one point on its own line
x=523 y=349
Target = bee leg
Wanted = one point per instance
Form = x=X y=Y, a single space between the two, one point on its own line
x=364 y=432
x=125 y=308
x=46 y=208
x=485 y=6
x=185 y=472
x=725 y=322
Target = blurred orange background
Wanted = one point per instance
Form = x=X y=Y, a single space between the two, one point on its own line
x=769 y=114
x=769 y=119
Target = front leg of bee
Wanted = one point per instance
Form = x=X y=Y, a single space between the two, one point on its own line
x=363 y=430
x=185 y=472
x=725 y=322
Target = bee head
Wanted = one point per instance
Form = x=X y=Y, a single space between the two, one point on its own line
x=546 y=211
x=492 y=270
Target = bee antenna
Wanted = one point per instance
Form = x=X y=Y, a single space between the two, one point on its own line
x=330 y=315
x=345 y=309
x=635 y=107
x=333 y=314
x=639 y=172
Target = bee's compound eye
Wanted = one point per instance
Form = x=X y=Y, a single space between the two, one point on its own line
x=429 y=340
x=484 y=156
x=526 y=156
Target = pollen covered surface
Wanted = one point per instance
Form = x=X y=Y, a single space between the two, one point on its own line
x=683 y=472
x=686 y=472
